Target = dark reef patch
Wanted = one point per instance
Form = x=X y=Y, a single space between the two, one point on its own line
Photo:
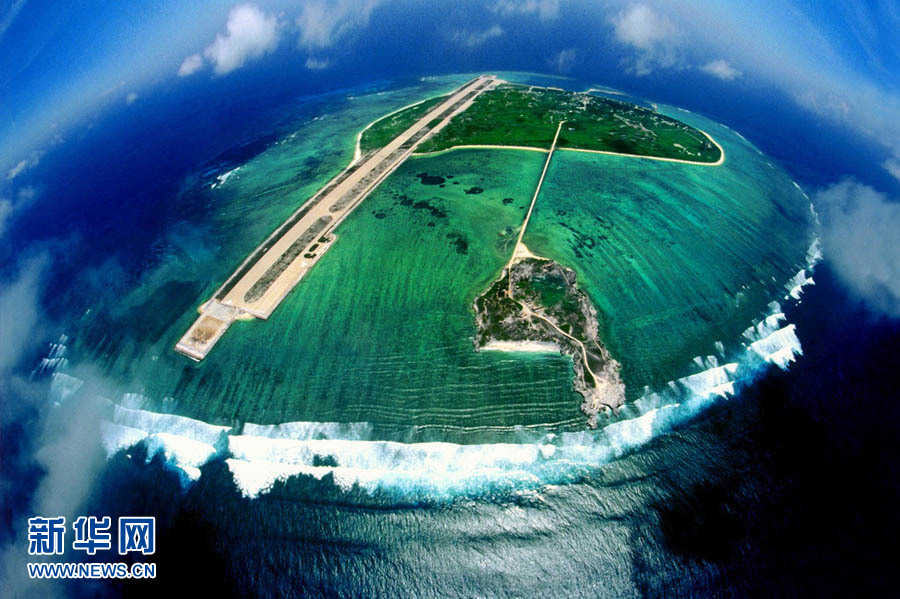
x=508 y=201
x=459 y=241
x=426 y=179
x=474 y=190
x=434 y=210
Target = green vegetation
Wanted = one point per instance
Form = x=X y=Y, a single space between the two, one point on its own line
x=387 y=128
x=540 y=287
x=538 y=300
x=519 y=115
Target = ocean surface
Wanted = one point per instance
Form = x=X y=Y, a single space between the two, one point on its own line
x=355 y=444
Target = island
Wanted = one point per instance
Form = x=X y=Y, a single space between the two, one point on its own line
x=526 y=117
x=534 y=304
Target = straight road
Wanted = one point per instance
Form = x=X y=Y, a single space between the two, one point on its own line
x=269 y=273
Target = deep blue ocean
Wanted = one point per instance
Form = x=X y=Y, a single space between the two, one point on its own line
x=790 y=488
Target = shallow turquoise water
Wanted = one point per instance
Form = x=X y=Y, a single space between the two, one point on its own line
x=675 y=257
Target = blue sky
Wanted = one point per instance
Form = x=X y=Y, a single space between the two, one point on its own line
x=837 y=60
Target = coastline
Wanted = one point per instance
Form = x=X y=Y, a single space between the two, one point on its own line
x=718 y=162
x=357 y=154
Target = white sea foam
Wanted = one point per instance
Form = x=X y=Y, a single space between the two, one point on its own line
x=444 y=470
x=221 y=179
x=713 y=381
x=253 y=478
x=387 y=455
x=310 y=430
x=184 y=443
x=814 y=252
x=135 y=401
x=779 y=347
x=347 y=455
x=116 y=437
x=796 y=284
x=63 y=386
x=51 y=364
x=181 y=426
x=183 y=453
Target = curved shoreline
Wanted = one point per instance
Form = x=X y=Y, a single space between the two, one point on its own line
x=718 y=162
x=357 y=154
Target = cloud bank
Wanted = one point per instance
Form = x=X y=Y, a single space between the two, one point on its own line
x=468 y=38
x=191 y=65
x=562 y=61
x=249 y=34
x=792 y=51
x=18 y=312
x=317 y=64
x=651 y=35
x=892 y=165
x=545 y=10
x=323 y=22
x=23 y=165
x=5 y=211
x=721 y=69
x=859 y=236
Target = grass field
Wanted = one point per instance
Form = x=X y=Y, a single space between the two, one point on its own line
x=519 y=115
x=387 y=128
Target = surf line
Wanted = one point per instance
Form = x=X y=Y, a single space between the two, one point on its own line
x=519 y=250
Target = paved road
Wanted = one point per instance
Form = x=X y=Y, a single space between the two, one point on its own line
x=262 y=281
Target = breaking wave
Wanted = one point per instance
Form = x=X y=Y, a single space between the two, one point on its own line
x=259 y=456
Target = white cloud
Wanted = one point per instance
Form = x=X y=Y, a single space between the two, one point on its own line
x=473 y=39
x=323 y=22
x=859 y=237
x=19 y=312
x=131 y=98
x=191 y=65
x=5 y=210
x=653 y=36
x=249 y=34
x=790 y=52
x=721 y=69
x=17 y=169
x=563 y=60
x=23 y=165
x=317 y=64
x=892 y=165
x=23 y=198
x=26 y=194
x=546 y=10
